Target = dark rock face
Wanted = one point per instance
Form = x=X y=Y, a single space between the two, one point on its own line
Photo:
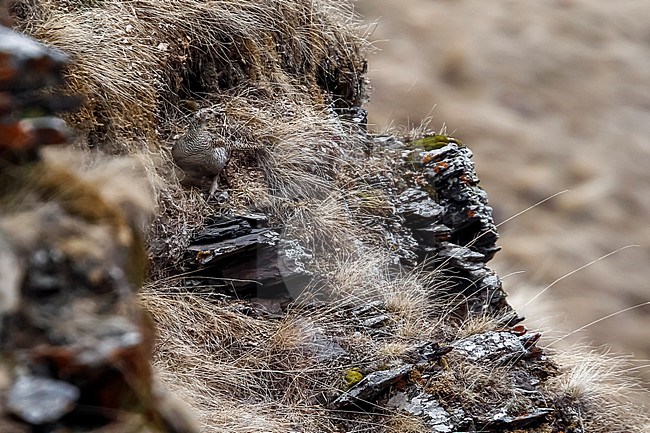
x=418 y=386
x=441 y=218
x=445 y=220
x=242 y=255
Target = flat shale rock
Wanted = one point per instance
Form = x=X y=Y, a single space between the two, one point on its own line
x=500 y=348
x=426 y=406
x=241 y=255
x=371 y=387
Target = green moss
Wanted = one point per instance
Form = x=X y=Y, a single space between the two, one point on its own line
x=352 y=377
x=431 y=142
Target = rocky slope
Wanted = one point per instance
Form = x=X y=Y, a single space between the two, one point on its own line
x=339 y=284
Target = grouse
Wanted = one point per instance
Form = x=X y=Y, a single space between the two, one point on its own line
x=201 y=153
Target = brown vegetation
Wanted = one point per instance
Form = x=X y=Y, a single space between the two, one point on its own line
x=286 y=76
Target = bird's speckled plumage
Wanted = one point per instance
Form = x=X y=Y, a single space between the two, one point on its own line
x=200 y=153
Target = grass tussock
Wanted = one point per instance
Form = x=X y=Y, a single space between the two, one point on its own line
x=477 y=325
x=236 y=372
x=600 y=390
x=399 y=423
x=221 y=354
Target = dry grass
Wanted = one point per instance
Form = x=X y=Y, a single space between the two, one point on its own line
x=477 y=325
x=392 y=351
x=271 y=68
x=217 y=356
x=481 y=388
x=600 y=388
x=239 y=372
x=150 y=54
x=411 y=302
x=251 y=374
x=399 y=423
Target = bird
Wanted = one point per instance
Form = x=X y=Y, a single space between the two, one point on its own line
x=200 y=153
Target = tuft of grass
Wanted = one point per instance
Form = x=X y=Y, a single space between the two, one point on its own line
x=480 y=324
x=392 y=351
x=404 y=423
x=599 y=388
x=411 y=302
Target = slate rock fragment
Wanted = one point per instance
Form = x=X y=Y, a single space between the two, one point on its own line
x=500 y=348
x=242 y=255
x=40 y=400
x=371 y=387
x=502 y=421
x=425 y=406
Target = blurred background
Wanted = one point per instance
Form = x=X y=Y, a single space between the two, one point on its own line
x=550 y=95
